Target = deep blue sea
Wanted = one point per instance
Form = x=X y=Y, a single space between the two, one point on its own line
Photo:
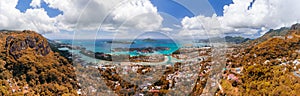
x=105 y=47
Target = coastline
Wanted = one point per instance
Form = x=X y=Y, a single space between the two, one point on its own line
x=179 y=66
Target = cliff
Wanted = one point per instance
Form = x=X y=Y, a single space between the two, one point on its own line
x=29 y=66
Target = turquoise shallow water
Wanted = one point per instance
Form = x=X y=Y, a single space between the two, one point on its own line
x=105 y=47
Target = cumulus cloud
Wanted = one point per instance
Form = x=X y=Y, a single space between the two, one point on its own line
x=72 y=10
x=35 y=3
x=33 y=19
x=113 y=15
x=140 y=14
x=239 y=18
x=201 y=26
x=166 y=29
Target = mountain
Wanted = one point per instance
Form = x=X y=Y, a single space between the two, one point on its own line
x=228 y=39
x=277 y=33
x=269 y=66
x=236 y=40
x=296 y=27
x=270 y=34
x=28 y=66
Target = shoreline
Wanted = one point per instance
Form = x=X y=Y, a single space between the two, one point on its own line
x=100 y=56
x=174 y=69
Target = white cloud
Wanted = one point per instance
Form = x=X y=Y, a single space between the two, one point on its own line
x=116 y=15
x=166 y=29
x=139 y=14
x=35 y=3
x=40 y=20
x=72 y=10
x=263 y=15
x=201 y=26
x=33 y=19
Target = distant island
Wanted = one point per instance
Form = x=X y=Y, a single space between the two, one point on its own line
x=120 y=42
x=236 y=40
x=149 y=40
x=33 y=65
x=228 y=39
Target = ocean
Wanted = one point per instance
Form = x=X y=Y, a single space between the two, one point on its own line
x=107 y=45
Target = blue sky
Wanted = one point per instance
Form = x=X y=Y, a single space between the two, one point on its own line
x=219 y=4
x=23 y=5
x=173 y=11
x=172 y=8
x=249 y=18
x=165 y=6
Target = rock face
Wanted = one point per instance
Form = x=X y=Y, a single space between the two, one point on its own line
x=17 y=45
x=295 y=27
x=28 y=66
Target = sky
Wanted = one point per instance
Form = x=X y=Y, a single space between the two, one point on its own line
x=96 y=19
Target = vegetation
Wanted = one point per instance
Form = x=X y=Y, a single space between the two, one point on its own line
x=29 y=67
x=236 y=40
x=270 y=34
x=267 y=67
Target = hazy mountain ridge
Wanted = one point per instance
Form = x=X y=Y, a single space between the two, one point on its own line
x=270 y=34
x=27 y=62
x=236 y=40
x=29 y=66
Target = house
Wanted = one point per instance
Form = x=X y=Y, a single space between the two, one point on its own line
x=232 y=77
x=154 y=91
x=237 y=70
x=296 y=62
x=79 y=92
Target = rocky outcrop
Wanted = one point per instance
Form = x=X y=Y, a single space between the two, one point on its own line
x=14 y=46
x=295 y=27
x=26 y=60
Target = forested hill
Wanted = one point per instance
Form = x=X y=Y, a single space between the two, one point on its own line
x=268 y=67
x=28 y=66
